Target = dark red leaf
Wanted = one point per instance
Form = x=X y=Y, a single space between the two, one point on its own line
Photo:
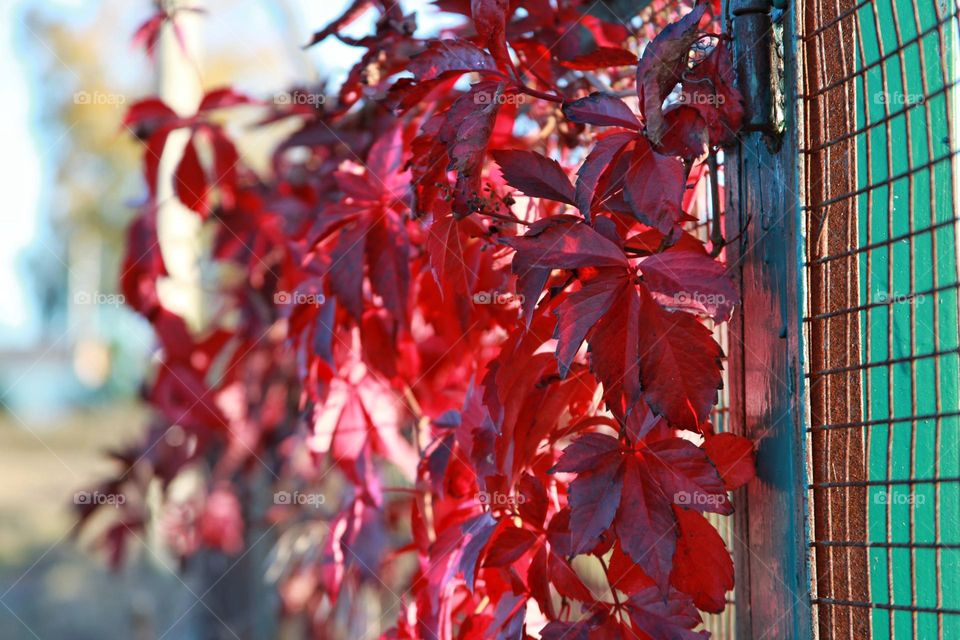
x=645 y=524
x=691 y=281
x=679 y=365
x=671 y=618
x=535 y=175
x=601 y=57
x=702 y=567
x=734 y=458
x=605 y=153
x=594 y=496
x=508 y=545
x=588 y=452
x=445 y=57
x=654 y=187
x=661 y=67
x=563 y=242
x=190 y=181
x=581 y=310
x=601 y=109
x=687 y=476
x=490 y=19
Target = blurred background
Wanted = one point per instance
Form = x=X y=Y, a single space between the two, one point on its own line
x=71 y=355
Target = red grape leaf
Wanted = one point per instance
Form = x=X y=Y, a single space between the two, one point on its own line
x=594 y=497
x=679 y=365
x=687 y=476
x=661 y=67
x=654 y=186
x=601 y=109
x=645 y=524
x=734 y=458
x=598 y=162
x=535 y=175
x=190 y=181
x=446 y=57
x=672 y=618
x=490 y=19
x=563 y=242
x=691 y=281
x=702 y=567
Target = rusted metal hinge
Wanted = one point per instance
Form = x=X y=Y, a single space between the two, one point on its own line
x=758 y=47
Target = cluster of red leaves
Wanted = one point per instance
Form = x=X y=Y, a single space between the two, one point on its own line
x=474 y=268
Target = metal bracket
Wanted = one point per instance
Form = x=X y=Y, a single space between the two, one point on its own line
x=758 y=57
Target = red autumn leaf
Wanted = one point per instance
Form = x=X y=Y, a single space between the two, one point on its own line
x=466 y=131
x=601 y=57
x=655 y=618
x=734 y=458
x=691 y=281
x=679 y=365
x=702 y=567
x=353 y=12
x=653 y=187
x=594 y=496
x=563 y=242
x=490 y=19
x=661 y=68
x=709 y=88
x=533 y=506
x=449 y=57
x=477 y=532
x=453 y=254
x=687 y=476
x=614 y=349
x=685 y=132
x=624 y=574
x=190 y=181
x=508 y=545
x=645 y=524
x=535 y=175
x=601 y=109
x=598 y=163
x=587 y=452
x=580 y=311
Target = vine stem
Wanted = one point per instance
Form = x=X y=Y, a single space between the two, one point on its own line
x=613 y=590
x=716 y=233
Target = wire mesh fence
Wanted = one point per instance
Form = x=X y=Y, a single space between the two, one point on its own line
x=879 y=168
